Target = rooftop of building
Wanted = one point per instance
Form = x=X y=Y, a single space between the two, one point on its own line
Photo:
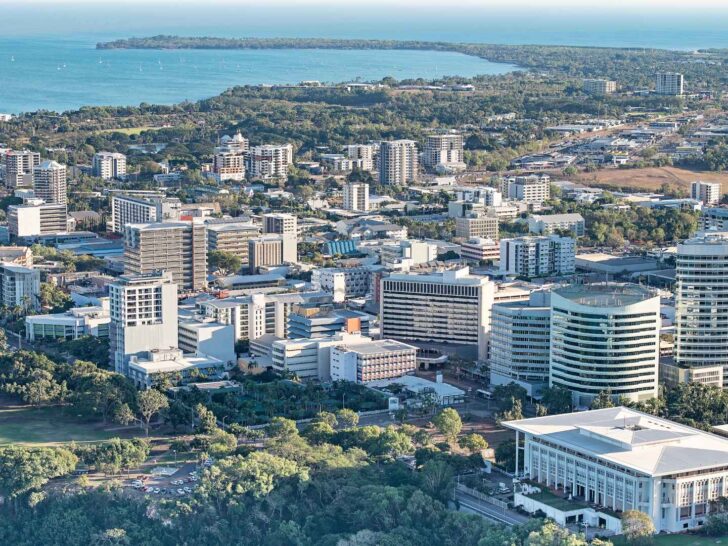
x=174 y=363
x=632 y=439
x=378 y=346
x=451 y=276
x=553 y=218
x=418 y=384
x=605 y=294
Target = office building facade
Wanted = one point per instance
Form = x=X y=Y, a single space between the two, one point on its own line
x=520 y=339
x=177 y=247
x=372 y=361
x=450 y=307
x=605 y=336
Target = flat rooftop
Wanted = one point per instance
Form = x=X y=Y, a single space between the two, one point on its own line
x=605 y=295
x=379 y=346
x=644 y=443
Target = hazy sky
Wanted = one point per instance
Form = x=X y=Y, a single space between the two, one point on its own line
x=651 y=23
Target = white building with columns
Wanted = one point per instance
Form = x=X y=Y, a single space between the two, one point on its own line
x=618 y=459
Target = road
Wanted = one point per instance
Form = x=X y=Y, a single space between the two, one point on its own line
x=473 y=505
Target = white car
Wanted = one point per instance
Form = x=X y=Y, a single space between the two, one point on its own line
x=187 y=490
x=156 y=490
x=181 y=491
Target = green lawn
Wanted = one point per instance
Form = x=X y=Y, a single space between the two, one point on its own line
x=678 y=540
x=28 y=425
x=129 y=131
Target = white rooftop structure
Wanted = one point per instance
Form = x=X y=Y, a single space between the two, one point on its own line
x=624 y=459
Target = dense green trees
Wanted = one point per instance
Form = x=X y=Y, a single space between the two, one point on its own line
x=226 y=262
x=24 y=469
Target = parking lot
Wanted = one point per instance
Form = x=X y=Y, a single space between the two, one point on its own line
x=170 y=481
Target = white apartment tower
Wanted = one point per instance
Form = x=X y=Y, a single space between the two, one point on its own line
x=444 y=152
x=538 y=256
x=669 y=83
x=356 y=196
x=49 y=182
x=19 y=165
x=708 y=193
x=108 y=165
x=605 y=336
x=270 y=161
x=451 y=307
x=398 y=163
x=701 y=303
x=143 y=317
x=177 y=247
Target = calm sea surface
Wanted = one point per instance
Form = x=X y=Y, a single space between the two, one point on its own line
x=48 y=59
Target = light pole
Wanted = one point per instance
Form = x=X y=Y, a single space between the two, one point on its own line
x=223 y=421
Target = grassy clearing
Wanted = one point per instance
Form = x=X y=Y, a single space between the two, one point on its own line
x=129 y=131
x=678 y=540
x=28 y=425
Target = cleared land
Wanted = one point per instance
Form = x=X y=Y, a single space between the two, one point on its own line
x=130 y=131
x=29 y=425
x=650 y=179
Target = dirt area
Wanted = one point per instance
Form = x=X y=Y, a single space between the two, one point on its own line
x=650 y=179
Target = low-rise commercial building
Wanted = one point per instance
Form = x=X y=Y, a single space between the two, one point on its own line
x=372 y=361
x=73 y=324
x=477 y=225
x=617 y=459
x=480 y=249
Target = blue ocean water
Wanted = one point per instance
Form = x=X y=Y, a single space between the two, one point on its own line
x=56 y=67
x=66 y=73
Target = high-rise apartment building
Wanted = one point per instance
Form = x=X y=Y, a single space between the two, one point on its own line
x=19 y=165
x=356 y=196
x=708 y=193
x=49 y=182
x=605 y=336
x=398 y=164
x=701 y=303
x=280 y=223
x=35 y=217
x=520 y=338
x=669 y=83
x=228 y=165
x=177 y=247
x=538 y=256
x=451 y=307
x=363 y=154
x=19 y=287
x=444 y=152
x=270 y=161
x=150 y=209
x=599 y=87
x=109 y=165
x=143 y=317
